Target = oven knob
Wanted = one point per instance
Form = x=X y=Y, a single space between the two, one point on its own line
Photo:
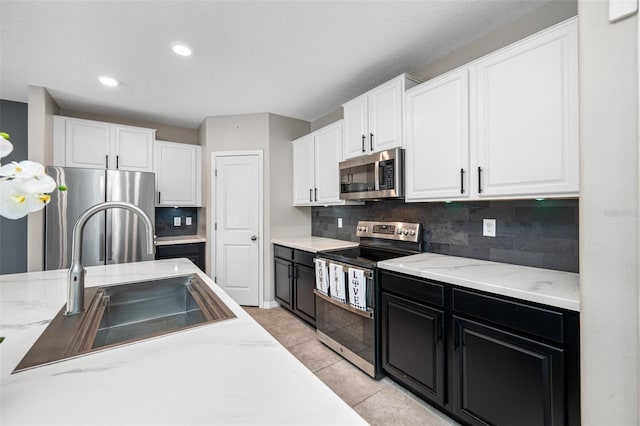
x=413 y=232
x=399 y=231
x=405 y=232
x=362 y=228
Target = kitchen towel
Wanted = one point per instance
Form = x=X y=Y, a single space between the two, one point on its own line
x=336 y=282
x=322 y=284
x=357 y=289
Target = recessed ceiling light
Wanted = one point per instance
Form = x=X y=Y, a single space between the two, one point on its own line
x=181 y=49
x=108 y=81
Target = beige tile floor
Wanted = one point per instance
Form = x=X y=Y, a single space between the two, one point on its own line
x=379 y=402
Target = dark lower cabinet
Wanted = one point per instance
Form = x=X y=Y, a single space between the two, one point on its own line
x=192 y=251
x=504 y=379
x=283 y=281
x=413 y=346
x=295 y=280
x=483 y=359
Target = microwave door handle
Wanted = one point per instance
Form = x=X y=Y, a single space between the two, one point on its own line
x=376 y=175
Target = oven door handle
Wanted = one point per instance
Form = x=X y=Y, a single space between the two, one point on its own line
x=367 y=314
x=368 y=273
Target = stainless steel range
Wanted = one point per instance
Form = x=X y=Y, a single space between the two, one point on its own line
x=346 y=290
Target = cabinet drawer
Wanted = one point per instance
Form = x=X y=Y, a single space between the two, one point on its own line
x=304 y=258
x=283 y=252
x=413 y=288
x=179 y=249
x=518 y=316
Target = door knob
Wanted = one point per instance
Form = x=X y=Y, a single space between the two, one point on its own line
x=253 y=238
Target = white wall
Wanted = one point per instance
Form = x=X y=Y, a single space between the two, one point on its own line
x=273 y=135
x=609 y=162
x=41 y=110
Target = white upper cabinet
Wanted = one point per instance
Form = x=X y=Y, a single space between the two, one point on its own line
x=303 y=171
x=316 y=156
x=328 y=146
x=504 y=126
x=373 y=121
x=437 y=139
x=178 y=176
x=133 y=148
x=526 y=116
x=94 y=144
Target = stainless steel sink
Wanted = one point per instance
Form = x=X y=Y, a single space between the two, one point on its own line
x=125 y=314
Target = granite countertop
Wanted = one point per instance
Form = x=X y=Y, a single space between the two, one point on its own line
x=313 y=244
x=229 y=372
x=553 y=288
x=180 y=239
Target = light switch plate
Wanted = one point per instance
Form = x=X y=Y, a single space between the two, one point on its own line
x=339 y=222
x=489 y=227
x=177 y=221
x=187 y=221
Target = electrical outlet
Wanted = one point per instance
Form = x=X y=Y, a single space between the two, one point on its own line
x=339 y=222
x=187 y=221
x=177 y=221
x=489 y=227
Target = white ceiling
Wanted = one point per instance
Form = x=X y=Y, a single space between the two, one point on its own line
x=300 y=59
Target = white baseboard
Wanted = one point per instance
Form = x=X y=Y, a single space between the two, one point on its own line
x=270 y=304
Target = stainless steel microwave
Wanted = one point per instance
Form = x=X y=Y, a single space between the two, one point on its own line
x=373 y=177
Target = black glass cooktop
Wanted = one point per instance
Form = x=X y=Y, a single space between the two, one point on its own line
x=364 y=257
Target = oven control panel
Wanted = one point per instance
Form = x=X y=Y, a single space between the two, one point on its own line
x=401 y=231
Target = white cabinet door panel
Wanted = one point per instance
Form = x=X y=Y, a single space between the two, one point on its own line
x=328 y=143
x=133 y=149
x=356 y=128
x=178 y=177
x=437 y=137
x=87 y=143
x=527 y=117
x=303 y=171
x=385 y=116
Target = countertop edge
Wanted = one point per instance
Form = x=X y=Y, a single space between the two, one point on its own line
x=571 y=304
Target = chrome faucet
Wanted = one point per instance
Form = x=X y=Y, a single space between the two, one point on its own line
x=75 y=287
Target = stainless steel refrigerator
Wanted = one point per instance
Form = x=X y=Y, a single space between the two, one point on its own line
x=111 y=236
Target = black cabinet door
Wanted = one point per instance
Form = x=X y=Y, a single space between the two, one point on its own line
x=413 y=346
x=504 y=379
x=304 y=300
x=284 y=281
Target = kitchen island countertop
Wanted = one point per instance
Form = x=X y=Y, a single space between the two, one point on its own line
x=545 y=286
x=180 y=239
x=313 y=244
x=230 y=372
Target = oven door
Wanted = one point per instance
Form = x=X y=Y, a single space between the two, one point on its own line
x=347 y=330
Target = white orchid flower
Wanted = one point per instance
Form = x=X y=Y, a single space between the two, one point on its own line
x=25 y=169
x=5 y=147
x=19 y=197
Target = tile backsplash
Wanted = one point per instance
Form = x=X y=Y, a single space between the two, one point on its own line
x=541 y=234
x=164 y=221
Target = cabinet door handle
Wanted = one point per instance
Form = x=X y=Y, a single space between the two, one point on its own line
x=117 y=161
x=364 y=138
x=106 y=161
x=462 y=181
x=158 y=197
x=371 y=141
x=440 y=328
x=479 y=179
x=294 y=268
x=315 y=191
x=310 y=195
x=289 y=271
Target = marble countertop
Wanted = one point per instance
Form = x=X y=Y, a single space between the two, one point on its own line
x=230 y=372
x=313 y=244
x=181 y=239
x=553 y=288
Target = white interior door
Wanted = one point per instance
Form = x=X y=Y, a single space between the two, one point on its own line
x=237 y=226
